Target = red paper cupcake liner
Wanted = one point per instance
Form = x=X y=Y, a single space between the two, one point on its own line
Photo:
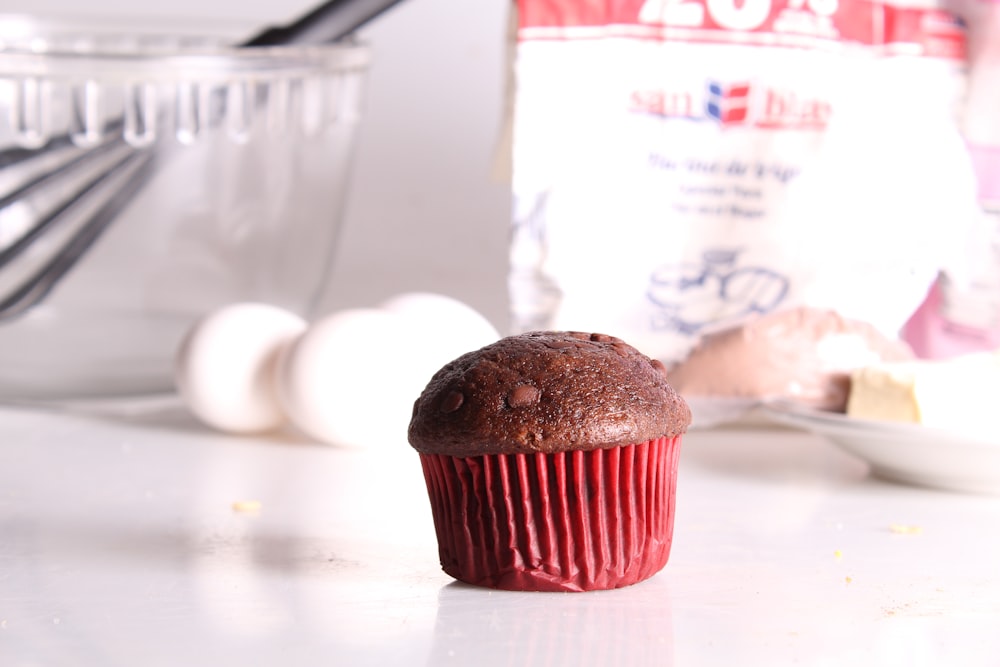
x=567 y=521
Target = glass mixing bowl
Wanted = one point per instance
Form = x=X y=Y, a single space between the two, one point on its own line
x=208 y=175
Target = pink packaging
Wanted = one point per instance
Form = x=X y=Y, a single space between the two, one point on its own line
x=961 y=314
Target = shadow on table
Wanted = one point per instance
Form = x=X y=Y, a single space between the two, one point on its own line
x=162 y=412
x=630 y=627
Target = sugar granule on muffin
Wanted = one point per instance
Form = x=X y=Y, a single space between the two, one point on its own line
x=551 y=462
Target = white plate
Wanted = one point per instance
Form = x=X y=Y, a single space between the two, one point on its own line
x=907 y=453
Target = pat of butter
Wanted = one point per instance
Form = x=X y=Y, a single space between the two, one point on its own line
x=954 y=393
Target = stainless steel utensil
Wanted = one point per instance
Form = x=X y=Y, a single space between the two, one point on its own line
x=75 y=185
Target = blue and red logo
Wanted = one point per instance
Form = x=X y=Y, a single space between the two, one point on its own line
x=727 y=104
x=738 y=104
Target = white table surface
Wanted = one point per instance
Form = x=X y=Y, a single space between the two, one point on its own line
x=119 y=545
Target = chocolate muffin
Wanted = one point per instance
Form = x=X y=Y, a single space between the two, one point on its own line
x=551 y=462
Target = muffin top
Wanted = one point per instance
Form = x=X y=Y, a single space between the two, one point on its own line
x=546 y=391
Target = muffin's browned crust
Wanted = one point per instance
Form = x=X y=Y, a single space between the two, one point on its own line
x=546 y=391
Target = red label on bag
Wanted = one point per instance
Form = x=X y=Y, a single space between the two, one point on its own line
x=911 y=30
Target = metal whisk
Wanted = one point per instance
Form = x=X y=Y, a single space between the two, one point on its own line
x=57 y=199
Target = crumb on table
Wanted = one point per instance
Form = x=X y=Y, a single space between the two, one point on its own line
x=247 y=506
x=904 y=529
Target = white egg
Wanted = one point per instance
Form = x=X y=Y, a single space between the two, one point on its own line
x=444 y=328
x=225 y=365
x=346 y=381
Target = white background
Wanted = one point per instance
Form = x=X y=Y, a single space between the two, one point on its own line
x=425 y=198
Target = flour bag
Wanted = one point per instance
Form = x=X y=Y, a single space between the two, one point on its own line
x=682 y=165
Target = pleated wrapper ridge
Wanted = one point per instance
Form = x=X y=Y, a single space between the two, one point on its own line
x=564 y=521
